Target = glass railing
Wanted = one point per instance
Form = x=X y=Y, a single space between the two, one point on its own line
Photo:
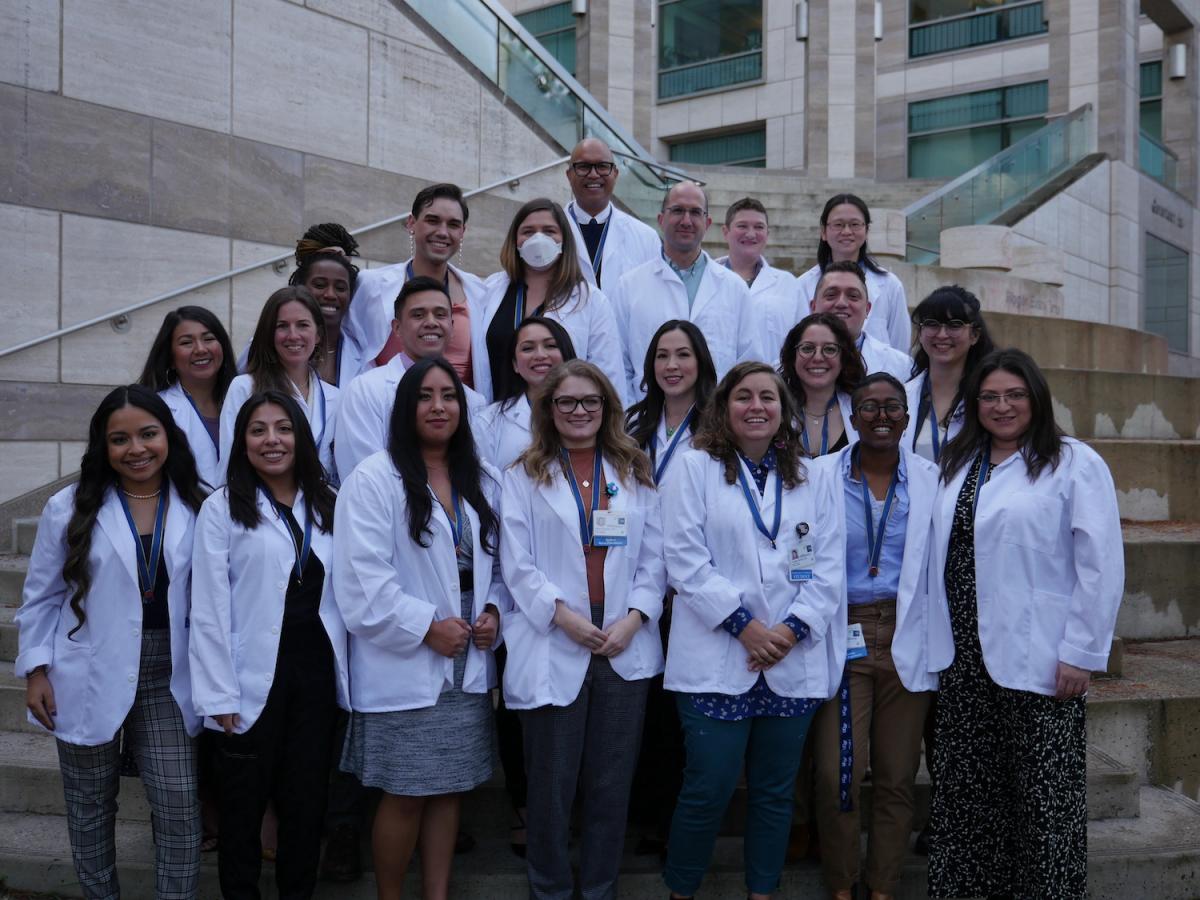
x=516 y=62
x=709 y=75
x=1002 y=185
x=1157 y=161
x=976 y=29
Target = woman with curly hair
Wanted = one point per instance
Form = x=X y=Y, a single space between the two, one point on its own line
x=821 y=366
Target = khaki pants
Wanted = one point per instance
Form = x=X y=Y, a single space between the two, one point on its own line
x=887 y=722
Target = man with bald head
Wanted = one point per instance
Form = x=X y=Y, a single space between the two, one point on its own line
x=610 y=242
x=683 y=282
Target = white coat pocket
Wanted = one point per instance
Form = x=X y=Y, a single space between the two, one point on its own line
x=1032 y=522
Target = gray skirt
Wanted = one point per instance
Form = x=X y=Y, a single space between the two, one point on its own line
x=441 y=749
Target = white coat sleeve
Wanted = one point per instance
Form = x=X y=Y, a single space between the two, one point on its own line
x=45 y=592
x=1099 y=562
x=650 y=577
x=497 y=593
x=235 y=398
x=366 y=584
x=690 y=567
x=361 y=430
x=532 y=592
x=604 y=348
x=899 y=324
x=619 y=301
x=215 y=687
x=818 y=601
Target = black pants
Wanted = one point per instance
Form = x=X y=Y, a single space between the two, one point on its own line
x=511 y=742
x=283 y=757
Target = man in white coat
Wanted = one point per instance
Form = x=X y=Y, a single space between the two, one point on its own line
x=684 y=282
x=423 y=326
x=609 y=242
x=746 y=232
x=843 y=292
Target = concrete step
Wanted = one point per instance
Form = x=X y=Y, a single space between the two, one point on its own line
x=12 y=578
x=24 y=534
x=1155 y=855
x=1156 y=480
x=1126 y=405
x=1162 y=594
x=12 y=704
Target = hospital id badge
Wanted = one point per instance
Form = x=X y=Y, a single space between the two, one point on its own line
x=801 y=559
x=609 y=529
x=856 y=644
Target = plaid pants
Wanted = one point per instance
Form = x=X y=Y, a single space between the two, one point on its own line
x=167 y=760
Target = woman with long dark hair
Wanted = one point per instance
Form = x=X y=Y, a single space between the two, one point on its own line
x=845 y=225
x=541 y=276
x=103 y=638
x=1026 y=574
x=191 y=365
x=268 y=648
x=415 y=580
x=330 y=277
x=821 y=367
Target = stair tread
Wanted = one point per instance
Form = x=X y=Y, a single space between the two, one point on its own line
x=1153 y=670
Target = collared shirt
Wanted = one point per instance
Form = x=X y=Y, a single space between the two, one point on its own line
x=691 y=276
x=860 y=586
x=584 y=217
x=758 y=267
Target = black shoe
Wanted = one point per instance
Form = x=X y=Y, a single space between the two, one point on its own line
x=464 y=843
x=341 y=863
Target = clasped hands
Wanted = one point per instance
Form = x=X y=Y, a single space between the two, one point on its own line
x=609 y=641
x=449 y=637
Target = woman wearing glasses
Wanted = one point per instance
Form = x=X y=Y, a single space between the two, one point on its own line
x=1025 y=576
x=952 y=338
x=820 y=366
x=883 y=498
x=582 y=558
x=845 y=224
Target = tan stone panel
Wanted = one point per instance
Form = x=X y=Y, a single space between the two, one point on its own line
x=29 y=303
x=250 y=291
x=509 y=146
x=356 y=196
x=25 y=465
x=704 y=112
x=775 y=99
x=972 y=68
x=29 y=44
x=740 y=107
x=69 y=455
x=382 y=16
x=146 y=56
x=315 y=100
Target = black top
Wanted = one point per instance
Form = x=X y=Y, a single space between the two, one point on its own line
x=592 y=231
x=302 y=603
x=155 y=613
x=500 y=331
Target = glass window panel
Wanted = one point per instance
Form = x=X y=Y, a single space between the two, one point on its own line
x=1151 y=118
x=554 y=27
x=928 y=10
x=976 y=24
x=1151 y=79
x=1167 y=291
x=692 y=31
x=1026 y=99
x=949 y=154
x=744 y=148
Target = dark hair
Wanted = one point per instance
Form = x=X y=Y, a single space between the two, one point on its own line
x=305 y=264
x=566 y=273
x=327 y=234
x=844 y=265
x=262 y=363
x=417 y=285
x=426 y=196
x=511 y=386
x=746 y=203
x=642 y=418
x=242 y=481
x=1043 y=442
x=853 y=368
x=96 y=477
x=879 y=378
x=953 y=302
x=825 y=253
x=159 y=373
x=466 y=472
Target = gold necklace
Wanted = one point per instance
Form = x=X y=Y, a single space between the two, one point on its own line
x=133 y=496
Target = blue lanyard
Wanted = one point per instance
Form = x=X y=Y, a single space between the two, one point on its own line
x=304 y=548
x=661 y=466
x=824 y=429
x=927 y=398
x=409 y=275
x=875 y=541
x=148 y=568
x=985 y=465
x=456 y=523
x=585 y=517
x=216 y=443
x=753 y=504
x=519 y=308
x=597 y=261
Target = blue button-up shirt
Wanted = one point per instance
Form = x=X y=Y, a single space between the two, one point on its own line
x=860 y=586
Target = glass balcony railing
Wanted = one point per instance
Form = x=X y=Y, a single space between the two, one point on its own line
x=512 y=59
x=1157 y=161
x=1000 y=188
x=976 y=29
x=709 y=75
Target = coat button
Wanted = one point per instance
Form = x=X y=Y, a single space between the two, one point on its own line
x=274 y=629
x=281 y=585
x=136 y=632
x=133 y=678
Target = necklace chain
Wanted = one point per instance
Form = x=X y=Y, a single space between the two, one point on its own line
x=134 y=496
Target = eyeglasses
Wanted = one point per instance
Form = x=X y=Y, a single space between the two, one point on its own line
x=568 y=405
x=893 y=409
x=855 y=226
x=991 y=398
x=603 y=169
x=827 y=351
x=692 y=212
x=933 y=326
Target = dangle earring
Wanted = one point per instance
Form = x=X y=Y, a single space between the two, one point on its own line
x=412 y=246
x=460 y=246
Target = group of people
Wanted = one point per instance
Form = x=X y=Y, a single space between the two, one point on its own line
x=619 y=509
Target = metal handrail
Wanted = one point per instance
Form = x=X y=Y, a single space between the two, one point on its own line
x=669 y=171
x=241 y=270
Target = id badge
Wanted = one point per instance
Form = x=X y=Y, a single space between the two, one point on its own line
x=801 y=559
x=610 y=529
x=856 y=644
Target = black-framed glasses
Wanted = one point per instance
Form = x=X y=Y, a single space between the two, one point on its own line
x=827 y=351
x=870 y=409
x=933 y=326
x=568 y=405
x=604 y=169
x=991 y=398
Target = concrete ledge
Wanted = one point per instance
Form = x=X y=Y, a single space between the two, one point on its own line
x=1069 y=343
x=1128 y=405
x=1155 y=480
x=1000 y=248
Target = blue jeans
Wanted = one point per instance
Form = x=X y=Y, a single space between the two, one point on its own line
x=770 y=748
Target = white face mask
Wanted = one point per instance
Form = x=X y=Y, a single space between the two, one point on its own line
x=540 y=251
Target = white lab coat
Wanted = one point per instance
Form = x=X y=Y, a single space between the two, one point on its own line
x=542 y=559
x=845 y=407
x=880 y=357
x=717 y=560
x=888 y=319
x=1049 y=569
x=910 y=649
x=365 y=414
x=199 y=441
x=629 y=243
x=503 y=434
x=95 y=673
x=773 y=300
x=921 y=442
x=321 y=418
x=587 y=316
x=390 y=590
x=240 y=579
x=660 y=444
x=368 y=322
x=652 y=293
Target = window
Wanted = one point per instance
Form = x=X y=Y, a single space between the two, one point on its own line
x=554 y=27
x=939 y=26
x=743 y=148
x=704 y=45
x=1166 y=295
x=950 y=135
x=1151 y=93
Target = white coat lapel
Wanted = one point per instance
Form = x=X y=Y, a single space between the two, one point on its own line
x=113 y=523
x=442 y=554
x=177 y=536
x=709 y=286
x=559 y=497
